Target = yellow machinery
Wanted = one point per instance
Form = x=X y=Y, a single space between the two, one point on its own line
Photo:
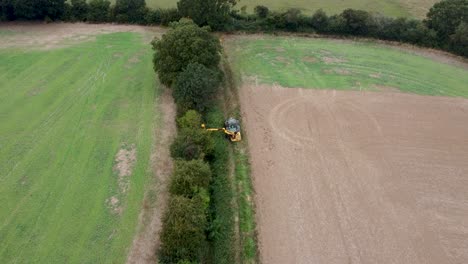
x=231 y=129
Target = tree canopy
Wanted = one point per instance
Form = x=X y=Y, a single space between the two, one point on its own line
x=190 y=177
x=214 y=13
x=183 y=232
x=35 y=9
x=132 y=11
x=444 y=17
x=183 y=44
x=195 y=87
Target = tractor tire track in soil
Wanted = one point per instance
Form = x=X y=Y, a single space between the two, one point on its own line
x=147 y=241
x=358 y=177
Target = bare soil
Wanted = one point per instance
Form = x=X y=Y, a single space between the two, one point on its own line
x=358 y=177
x=147 y=241
x=56 y=35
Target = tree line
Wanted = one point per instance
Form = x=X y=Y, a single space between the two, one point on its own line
x=187 y=60
x=445 y=26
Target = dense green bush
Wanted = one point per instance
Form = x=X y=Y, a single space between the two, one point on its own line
x=183 y=44
x=459 y=40
x=261 y=11
x=444 y=17
x=130 y=11
x=213 y=13
x=190 y=120
x=183 y=230
x=79 y=10
x=33 y=9
x=98 y=10
x=195 y=87
x=192 y=142
x=190 y=178
x=169 y=15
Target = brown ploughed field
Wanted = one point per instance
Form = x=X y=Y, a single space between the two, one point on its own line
x=358 y=177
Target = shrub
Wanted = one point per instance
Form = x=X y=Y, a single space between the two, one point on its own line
x=192 y=142
x=183 y=230
x=190 y=178
x=153 y=17
x=130 y=11
x=79 y=10
x=459 y=40
x=261 y=11
x=356 y=22
x=37 y=9
x=320 y=20
x=185 y=43
x=98 y=10
x=214 y=13
x=190 y=120
x=195 y=87
x=169 y=15
x=445 y=16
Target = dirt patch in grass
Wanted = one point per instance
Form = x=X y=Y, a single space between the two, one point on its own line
x=41 y=36
x=113 y=204
x=375 y=75
x=332 y=60
x=283 y=59
x=309 y=59
x=124 y=162
x=146 y=242
x=339 y=71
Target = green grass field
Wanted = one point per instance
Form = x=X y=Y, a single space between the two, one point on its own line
x=64 y=115
x=343 y=65
x=406 y=8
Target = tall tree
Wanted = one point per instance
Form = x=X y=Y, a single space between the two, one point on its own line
x=130 y=11
x=185 y=43
x=445 y=16
x=214 y=13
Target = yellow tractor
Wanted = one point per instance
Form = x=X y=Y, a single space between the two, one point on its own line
x=231 y=129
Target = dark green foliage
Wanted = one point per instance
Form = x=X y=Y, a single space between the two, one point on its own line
x=183 y=230
x=320 y=21
x=79 y=10
x=130 y=11
x=459 y=40
x=153 y=17
x=190 y=120
x=292 y=19
x=98 y=11
x=445 y=16
x=185 y=43
x=190 y=178
x=195 y=87
x=356 y=22
x=169 y=15
x=37 y=9
x=214 y=13
x=261 y=11
x=192 y=142
x=6 y=10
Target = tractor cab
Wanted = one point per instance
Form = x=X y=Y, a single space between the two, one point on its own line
x=232 y=125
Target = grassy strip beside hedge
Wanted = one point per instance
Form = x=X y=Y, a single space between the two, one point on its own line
x=243 y=184
x=246 y=208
